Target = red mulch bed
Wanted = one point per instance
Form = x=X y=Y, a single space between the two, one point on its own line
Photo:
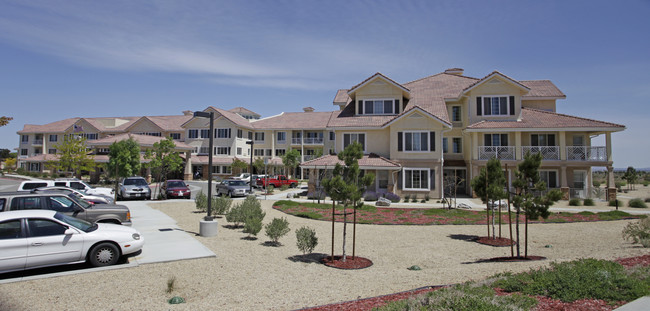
x=495 y=241
x=544 y=303
x=350 y=262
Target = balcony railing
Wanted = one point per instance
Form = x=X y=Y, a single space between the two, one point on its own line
x=37 y=142
x=313 y=141
x=548 y=152
x=584 y=153
x=296 y=141
x=499 y=152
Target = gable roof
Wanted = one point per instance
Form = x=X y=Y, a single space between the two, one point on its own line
x=542 y=88
x=243 y=110
x=294 y=121
x=378 y=74
x=540 y=119
x=142 y=140
x=493 y=74
x=368 y=161
x=54 y=127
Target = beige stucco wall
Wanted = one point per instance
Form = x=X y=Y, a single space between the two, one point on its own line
x=378 y=88
x=416 y=121
x=495 y=86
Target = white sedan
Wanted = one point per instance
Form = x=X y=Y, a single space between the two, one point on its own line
x=40 y=238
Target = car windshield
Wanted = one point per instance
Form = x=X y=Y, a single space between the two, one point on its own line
x=76 y=222
x=135 y=182
x=175 y=184
x=80 y=201
x=236 y=183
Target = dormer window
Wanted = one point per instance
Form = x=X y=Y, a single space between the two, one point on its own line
x=378 y=106
x=495 y=105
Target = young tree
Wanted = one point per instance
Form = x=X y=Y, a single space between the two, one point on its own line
x=451 y=182
x=631 y=176
x=164 y=160
x=258 y=164
x=123 y=160
x=291 y=159
x=238 y=166
x=347 y=186
x=490 y=187
x=528 y=194
x=72 y=156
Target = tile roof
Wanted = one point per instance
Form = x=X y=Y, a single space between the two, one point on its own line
x=142 y=140
x=204 y=159
x=294 y=121
x=244 y=110
x=542 y=88
x=170 y=123
x=489 y=76
x=233 y=117
x=534 y=118
x=54 y=127
x=342 y=97
x=378 y=74
x=368 y=161
x=166 y=123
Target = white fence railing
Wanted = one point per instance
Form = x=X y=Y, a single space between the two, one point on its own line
x=499 y=152
x=548 y=152
x=584 y=153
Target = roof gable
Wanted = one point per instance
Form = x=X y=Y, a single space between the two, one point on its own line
x=499 y=75
x=375 y=77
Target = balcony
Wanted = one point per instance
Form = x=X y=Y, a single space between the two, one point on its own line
x=309 y=157
x=548 y=152
x=38 y=142
x=584 y=153
x=313 y=141
x=499 y=152
x=296 y=141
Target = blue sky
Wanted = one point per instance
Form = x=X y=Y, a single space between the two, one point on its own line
x=60 y=59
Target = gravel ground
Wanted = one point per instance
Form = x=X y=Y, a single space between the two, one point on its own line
x=248 y=275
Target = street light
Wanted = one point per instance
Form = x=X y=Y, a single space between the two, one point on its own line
x=250 y=190
x=209 y=115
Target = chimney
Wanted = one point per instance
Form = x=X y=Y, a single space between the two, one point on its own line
x=455 y=71
x=308 y=109
x=187 y=112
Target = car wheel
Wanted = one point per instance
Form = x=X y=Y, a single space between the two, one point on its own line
x=230 y=194
x=104 y=254
x=293 y=185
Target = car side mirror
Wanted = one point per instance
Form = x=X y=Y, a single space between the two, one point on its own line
x=69 y=231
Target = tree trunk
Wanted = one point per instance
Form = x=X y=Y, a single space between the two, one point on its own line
x=499 y=219
x=354 y=233
x=345 y=222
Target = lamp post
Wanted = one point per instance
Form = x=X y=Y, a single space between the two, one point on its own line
x=250 y=184
x=209 y=115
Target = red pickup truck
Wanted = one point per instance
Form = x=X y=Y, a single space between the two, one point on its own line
x=277 y=181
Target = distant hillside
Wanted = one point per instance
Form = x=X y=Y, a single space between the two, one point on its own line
x=619 y=169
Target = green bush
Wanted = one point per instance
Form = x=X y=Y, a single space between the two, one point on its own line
x=253 y=226
x=574 y=202
x=252 y=215
x=580 y=279
x=201 y=201
x=414 y=199
x=614 y=202
x=620 y=184
x=589 y=202
x=637 y=203
x=277 y=228
x=284 y=187
x=646 y=183
x=306 y=239
x=638 y=232
x=221 y=205
x=596 y=183
x=236 y=215
x=407 y=197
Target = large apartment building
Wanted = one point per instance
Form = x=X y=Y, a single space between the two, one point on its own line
x=414 y=134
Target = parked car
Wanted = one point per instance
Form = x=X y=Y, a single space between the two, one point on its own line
x=176 y=188
x=277 y=181
x=134 y=188
x=95 y=199
x=245 y=177
x=73 y=183
x=233 y=188
x=38 y=238
x=255 y=178
x=67 y=204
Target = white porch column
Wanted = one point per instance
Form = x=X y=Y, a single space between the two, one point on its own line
x=562 y=146
x=187 y=172
x=474 y=139
x=608 y=143
x=518 y=155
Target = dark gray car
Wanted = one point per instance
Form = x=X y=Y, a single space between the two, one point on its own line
x=233 y=188
x=66 y=204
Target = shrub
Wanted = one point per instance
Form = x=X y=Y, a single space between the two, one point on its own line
x=407 y=197
x=574 y=202
x=392 y=197
x=277 y=228
x=414 y=199
x=201 y=201
x=253 y=226
x=370 y=196
x=236 y=215
x=306 y=239
x=580 y=279
x=221 y=205
x=646 y=183
x=596 y=183
x=615 y=202
x=426 y=198
x=284 y=187
x=619 y=184
x=252 y=214
x=637 y=203
x=638 y=232
x=589 y=202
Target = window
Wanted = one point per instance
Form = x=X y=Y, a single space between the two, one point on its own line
x=269 y=152
x=332 y=136
x=457 y=145
x=495 y=140
x=240 y=133
x=238 y=150
x=222 y=133
x=222 y=150
x=349 y=138
x=157 y=134
x=2 y=204
x=258 y=152
x=10 y=230
x=51 y=151
x=44 y=227
x=226 y=169
x=455 y=114
x=280 y=152
x=542 y=139
x=92 y=136
x=549 y=177
x=379 y=106
x=416 y=179
x=23 y=152
x=445 y=149
x=250 y=135
x=259 y=136
x=281 y=137
x=416 y=141
x=579 y=179
x=61 y=204
x=54 y=138
x=495 y=105
x=26 y=203
x=104 y=150
x=24 y=138
x=205 y=133
x=204 y=150
x=193 y=133
x=77 y=185
x=176 y=136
